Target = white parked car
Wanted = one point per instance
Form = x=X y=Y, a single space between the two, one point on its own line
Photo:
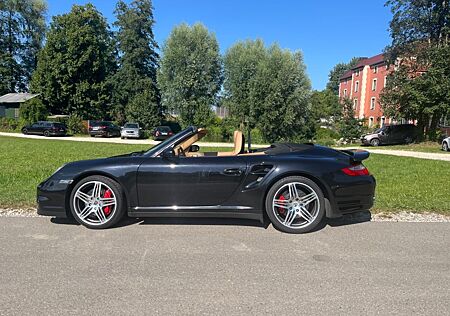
x=446 y=144
x=131 y=130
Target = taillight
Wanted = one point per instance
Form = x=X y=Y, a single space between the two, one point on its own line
x=157 y=133
x=170 y=133
x=356 y=170
x=103 y=127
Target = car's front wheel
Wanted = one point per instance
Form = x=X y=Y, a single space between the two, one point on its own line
x=24 y=131
x=445 y=146
x=375 y=142
x=97 y=202
x=295 y=205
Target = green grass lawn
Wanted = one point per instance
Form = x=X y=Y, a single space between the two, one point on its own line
x=426 y=147
x=403 y=183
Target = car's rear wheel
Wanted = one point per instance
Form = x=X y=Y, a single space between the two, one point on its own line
x=375 y=142
x=97 y=202
x=46 y=133
x=295 y=205
x=445 y=146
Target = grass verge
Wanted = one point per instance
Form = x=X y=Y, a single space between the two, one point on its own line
x=403 y=183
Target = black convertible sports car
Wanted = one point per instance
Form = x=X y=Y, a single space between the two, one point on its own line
x=295 y=185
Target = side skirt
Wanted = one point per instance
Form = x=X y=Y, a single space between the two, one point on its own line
x=201 y=211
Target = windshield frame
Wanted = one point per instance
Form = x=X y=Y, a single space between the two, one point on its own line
x=171 y=141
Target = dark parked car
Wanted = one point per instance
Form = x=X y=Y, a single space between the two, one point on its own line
x=162 y=132
x=295 y=185
x=391 y=134
x=103 y=128
x=45 y=128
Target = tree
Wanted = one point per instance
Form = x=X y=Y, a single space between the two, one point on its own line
x=337 y=72
x=33 y=110
x=349 y=127
x=419 y=87
x=190 y=76
x=74 y=64
x=268 y=88
x=135 y=81
x=325 y=105
x=22 y=29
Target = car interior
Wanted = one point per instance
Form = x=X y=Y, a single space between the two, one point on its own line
x=188 y=149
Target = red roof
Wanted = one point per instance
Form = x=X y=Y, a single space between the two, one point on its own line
x=377 y=59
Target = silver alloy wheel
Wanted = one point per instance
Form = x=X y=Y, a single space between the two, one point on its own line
x=299 y=206
x=93 y=205
x=444 y=146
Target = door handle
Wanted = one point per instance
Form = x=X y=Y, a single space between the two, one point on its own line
x=232 y=171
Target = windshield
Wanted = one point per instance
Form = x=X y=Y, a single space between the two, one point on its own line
x=131 y=125
x=163 y=144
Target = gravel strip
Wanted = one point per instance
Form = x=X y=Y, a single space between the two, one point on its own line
x=402 y=216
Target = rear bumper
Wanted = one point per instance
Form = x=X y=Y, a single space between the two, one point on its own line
x=51 y=198
x=354 y=197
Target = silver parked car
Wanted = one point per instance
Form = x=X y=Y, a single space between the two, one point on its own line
x=131 y=130
x=446 y=144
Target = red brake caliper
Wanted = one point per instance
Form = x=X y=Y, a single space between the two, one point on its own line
x=107 y=209
x=281 y=210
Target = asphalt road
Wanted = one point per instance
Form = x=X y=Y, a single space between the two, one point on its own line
x=223 y=267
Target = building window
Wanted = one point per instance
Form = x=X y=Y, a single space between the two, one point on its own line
x=355 y=103
x=375 y=69
x=356 y=86
x=374 y=84
x=345 y=93
x=371 y=121
x=385 y=80
x=16 y=113
x=383 y=120
x=372 y=104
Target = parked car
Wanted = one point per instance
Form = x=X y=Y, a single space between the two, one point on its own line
x=446 y=144
x=131 y=130
x=45 y=128
x=295 y=185
x=391 y=134
x=162 y=132
x=103 y=128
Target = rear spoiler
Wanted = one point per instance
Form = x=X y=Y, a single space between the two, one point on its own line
x=356 y=155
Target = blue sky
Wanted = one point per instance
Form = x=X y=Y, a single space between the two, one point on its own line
x=327 y=32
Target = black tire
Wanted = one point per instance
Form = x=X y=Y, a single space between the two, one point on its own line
x=120 y=206
x=276 y=221
x=46 y=133
x=375 y=142
x=445 y=146
x=24 y=131
x=92 y=135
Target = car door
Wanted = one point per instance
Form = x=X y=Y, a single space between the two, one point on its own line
x=181 y=182
x=36 y=128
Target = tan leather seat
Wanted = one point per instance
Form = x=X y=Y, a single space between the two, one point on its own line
x=239 y=144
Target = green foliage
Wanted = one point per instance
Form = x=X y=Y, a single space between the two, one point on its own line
x=75 y=125
x=268 y=88
x=22 y=29
x=349 y=127
x=9 y=124
x=190 y=75
x=73 y=65
x=144 y=109
x=326 y=137
x=33 y=110
x=419 y=87
x=138 y=62
x=325 y=106
x=337 y=72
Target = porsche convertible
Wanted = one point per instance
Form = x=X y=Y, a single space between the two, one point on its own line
x=293 y=185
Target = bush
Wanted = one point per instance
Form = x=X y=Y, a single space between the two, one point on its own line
x=75 y=125
x=33 y=110
x=326 y=137
x=9 y=124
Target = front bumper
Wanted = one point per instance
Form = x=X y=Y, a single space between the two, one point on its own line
x=130 y=134
x=51 y=198
x=365 y=141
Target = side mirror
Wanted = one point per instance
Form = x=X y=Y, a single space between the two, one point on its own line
x=194 y=148
x=168 y=153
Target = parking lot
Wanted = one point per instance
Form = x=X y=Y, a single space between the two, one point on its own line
x=195 y=266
